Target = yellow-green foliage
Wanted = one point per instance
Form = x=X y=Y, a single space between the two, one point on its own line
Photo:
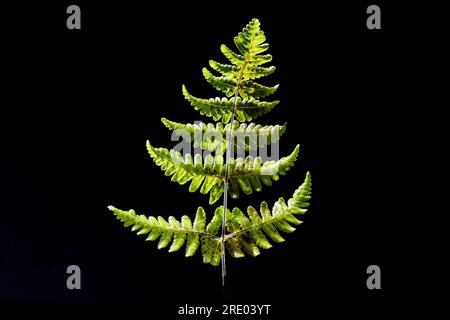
x=248 y=232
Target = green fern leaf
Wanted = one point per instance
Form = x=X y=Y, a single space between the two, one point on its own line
x=214 y=137
x=204 y=176
x=243 y=233
x=246 y=234
x=251 y=89
x=247 y=175
x=251 y=72
x=236 y=59
x=251 y=40
x=159 y=228
x=211 y=247
x=193 y=239
x=238 y=78
x=222 y=108
x=247 y=88
x=225 y=84
x=252 y=230
x=250 y=174
x=225 y=69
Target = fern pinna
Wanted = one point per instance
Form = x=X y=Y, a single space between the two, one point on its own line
x=233 y=230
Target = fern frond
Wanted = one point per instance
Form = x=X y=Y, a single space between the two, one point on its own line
x=225 y=69
x=236 y=59
x=251 y=72
x=251 y=231
x=176 y=232
x=246 y=233
x=243 y=232
x=214 y=137
x=222 y=108
x=251 y=41
x=225 y=84
x=166 y=231
x=245 y=66
x=247 y=88
x=207 y=176
x=250 y=174
x=246 y=174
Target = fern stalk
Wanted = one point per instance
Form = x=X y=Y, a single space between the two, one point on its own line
x=225 y=192
x=227 y=161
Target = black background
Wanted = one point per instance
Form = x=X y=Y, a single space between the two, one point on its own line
x=80 y=105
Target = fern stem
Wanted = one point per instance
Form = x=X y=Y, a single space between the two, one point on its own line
x=225 y=190
x=225 y=183
x=228 y=157
x=227 y=161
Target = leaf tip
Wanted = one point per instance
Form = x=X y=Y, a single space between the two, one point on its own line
x=308 y=177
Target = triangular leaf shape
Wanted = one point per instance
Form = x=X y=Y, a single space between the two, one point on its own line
x=239 y=232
